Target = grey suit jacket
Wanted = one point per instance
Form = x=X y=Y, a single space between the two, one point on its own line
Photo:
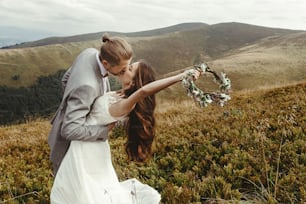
x=82 y=85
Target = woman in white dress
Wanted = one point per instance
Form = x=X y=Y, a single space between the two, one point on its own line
x=86 y=174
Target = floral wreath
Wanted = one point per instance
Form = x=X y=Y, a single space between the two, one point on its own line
x=204 y=98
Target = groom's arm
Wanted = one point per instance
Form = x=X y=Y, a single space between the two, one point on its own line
x=65 y=78
x=74 y=125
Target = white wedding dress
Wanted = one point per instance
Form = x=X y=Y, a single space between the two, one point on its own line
x=87 y=175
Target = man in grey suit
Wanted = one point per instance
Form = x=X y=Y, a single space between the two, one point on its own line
x=83 y=82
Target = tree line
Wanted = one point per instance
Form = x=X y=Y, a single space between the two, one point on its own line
x=18 y=105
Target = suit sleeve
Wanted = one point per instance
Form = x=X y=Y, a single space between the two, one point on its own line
x=79 y=104
x=65 y=78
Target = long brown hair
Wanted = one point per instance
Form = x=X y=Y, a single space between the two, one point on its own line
x=115 y=49
x=141 y=123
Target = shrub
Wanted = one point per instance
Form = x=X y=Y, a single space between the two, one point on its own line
x=252 y=150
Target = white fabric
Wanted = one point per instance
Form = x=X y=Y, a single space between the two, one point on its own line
x=87 y=175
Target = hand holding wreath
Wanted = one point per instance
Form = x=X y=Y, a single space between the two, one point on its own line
x=204 y=98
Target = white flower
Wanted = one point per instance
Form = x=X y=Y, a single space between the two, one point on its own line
x=206 y=98
x=203 y=67
x=226 y=82
x=185 y=83
x=195 y=92
x=225 y=97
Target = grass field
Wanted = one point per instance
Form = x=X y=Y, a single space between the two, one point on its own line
x=250 y=151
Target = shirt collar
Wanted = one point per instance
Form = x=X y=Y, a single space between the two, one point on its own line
x=101 y=67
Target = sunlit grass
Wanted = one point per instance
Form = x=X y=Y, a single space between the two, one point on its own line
x=250 y=151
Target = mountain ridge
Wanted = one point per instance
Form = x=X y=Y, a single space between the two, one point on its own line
x=98 y=35
x=146 y=33
x=237 y=48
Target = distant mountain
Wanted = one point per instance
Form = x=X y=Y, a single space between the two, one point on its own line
x=252 y=55
x=98 y=35
x=10 y=36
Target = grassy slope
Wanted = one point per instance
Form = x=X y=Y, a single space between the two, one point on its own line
x=253 y=149
x=272 y=61
x=170 y=52
x=30 y=63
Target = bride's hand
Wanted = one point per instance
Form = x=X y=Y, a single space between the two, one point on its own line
x=193 y=72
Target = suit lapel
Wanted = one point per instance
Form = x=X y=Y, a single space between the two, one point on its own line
x=99 y=78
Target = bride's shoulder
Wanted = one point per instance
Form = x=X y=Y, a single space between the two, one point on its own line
x=110 y=97
x=114 y=94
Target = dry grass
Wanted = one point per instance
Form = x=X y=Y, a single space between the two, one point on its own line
x=250 y=151
x=31 y=133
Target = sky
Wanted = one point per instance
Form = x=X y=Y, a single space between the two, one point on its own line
x=21 y=18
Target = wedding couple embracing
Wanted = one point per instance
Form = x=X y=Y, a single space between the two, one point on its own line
x=80 y=152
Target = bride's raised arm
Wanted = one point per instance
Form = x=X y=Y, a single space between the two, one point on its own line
x=126 y=105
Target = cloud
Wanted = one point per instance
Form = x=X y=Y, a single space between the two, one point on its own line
x=69 y=17
x=61 y=15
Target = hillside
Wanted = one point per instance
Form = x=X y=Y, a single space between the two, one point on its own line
x=21 y=67
x=97 y=36
x=167 y=49
x=275 y=60
x=252 y=150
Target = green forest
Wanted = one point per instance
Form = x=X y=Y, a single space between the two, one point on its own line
x=18 y=105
